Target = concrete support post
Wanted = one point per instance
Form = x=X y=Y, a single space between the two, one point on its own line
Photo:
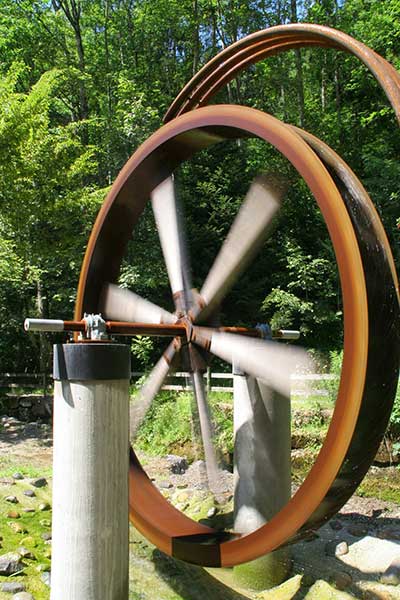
x=90 y=483
x=262 y=472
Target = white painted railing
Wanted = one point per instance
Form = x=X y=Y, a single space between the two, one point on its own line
x=26 y=380
x=185 y=385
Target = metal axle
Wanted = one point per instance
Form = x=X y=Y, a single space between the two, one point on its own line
x=94 y=327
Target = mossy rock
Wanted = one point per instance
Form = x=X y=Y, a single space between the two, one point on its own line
x=198 y=507
x=321 y=590
x=265 y=572
x=286 y=591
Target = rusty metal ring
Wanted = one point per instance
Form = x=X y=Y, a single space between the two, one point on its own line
x=257 y=46
x=329 y=482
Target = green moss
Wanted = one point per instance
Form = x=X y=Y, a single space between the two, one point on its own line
x=383 y=484
x=286 y=591
x=302 y=463
x=323 y=591
x=32 y=538
x=265 y=572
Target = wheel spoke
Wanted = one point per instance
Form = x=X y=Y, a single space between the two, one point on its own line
x=207 y=431
x=151 y=387
x=123 y=305
x=247 y=234
x=270 y=361
x=169 y=225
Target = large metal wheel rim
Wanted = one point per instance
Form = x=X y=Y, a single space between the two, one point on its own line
x=292 y=517
x=384 y=313
x=259 y=45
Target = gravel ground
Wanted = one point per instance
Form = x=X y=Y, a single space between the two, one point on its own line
x=32 y=443
x=25 y=443
x=370 y=527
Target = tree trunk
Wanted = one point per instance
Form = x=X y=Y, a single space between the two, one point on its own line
x=338 y=99
x=214 y=31
x=43 y=343
x=72 y=11
x=299 y=70
x=323 y=83
x=196 y=38
x=130 y=29
x=108 y=88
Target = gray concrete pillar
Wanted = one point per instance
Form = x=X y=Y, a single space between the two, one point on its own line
x=90 y=472
x=262 y=472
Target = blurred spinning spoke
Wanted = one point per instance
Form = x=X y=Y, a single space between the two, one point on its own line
x=270 y=361
x=120 y=304
x=248 y=232
x=167 y=214
x=207 y=432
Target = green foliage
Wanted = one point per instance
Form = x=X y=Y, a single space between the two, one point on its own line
x=169 y=425
x=309 y=301
x=47 y=203
x=332 y=385
x=285 y=308
x=78 y=97
x=142 y=348
x=394 y=423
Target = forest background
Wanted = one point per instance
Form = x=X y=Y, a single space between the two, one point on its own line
x=84 y=82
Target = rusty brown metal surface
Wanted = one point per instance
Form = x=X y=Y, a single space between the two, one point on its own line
x=368 y=279
x=151 y=329
x=77 y=326
x=182 y=329
x=255 y=47
x=122 y=328
x=189 y=133
x=384 y=330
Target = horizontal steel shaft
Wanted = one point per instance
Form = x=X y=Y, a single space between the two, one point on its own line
x=180 y=329
x=112 y=327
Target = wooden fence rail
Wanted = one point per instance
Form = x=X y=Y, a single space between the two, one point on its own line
x=179 y=381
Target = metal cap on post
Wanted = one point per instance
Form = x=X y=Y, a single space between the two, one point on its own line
x=91 y=361
x=91 y=462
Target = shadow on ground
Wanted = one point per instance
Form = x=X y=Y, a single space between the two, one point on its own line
x=192 y=582
x=14 y=432
x=370 y=553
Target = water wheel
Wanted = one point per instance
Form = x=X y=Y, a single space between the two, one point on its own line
x=367 y=275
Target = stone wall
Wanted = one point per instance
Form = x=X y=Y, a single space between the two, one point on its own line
x=27 y=407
